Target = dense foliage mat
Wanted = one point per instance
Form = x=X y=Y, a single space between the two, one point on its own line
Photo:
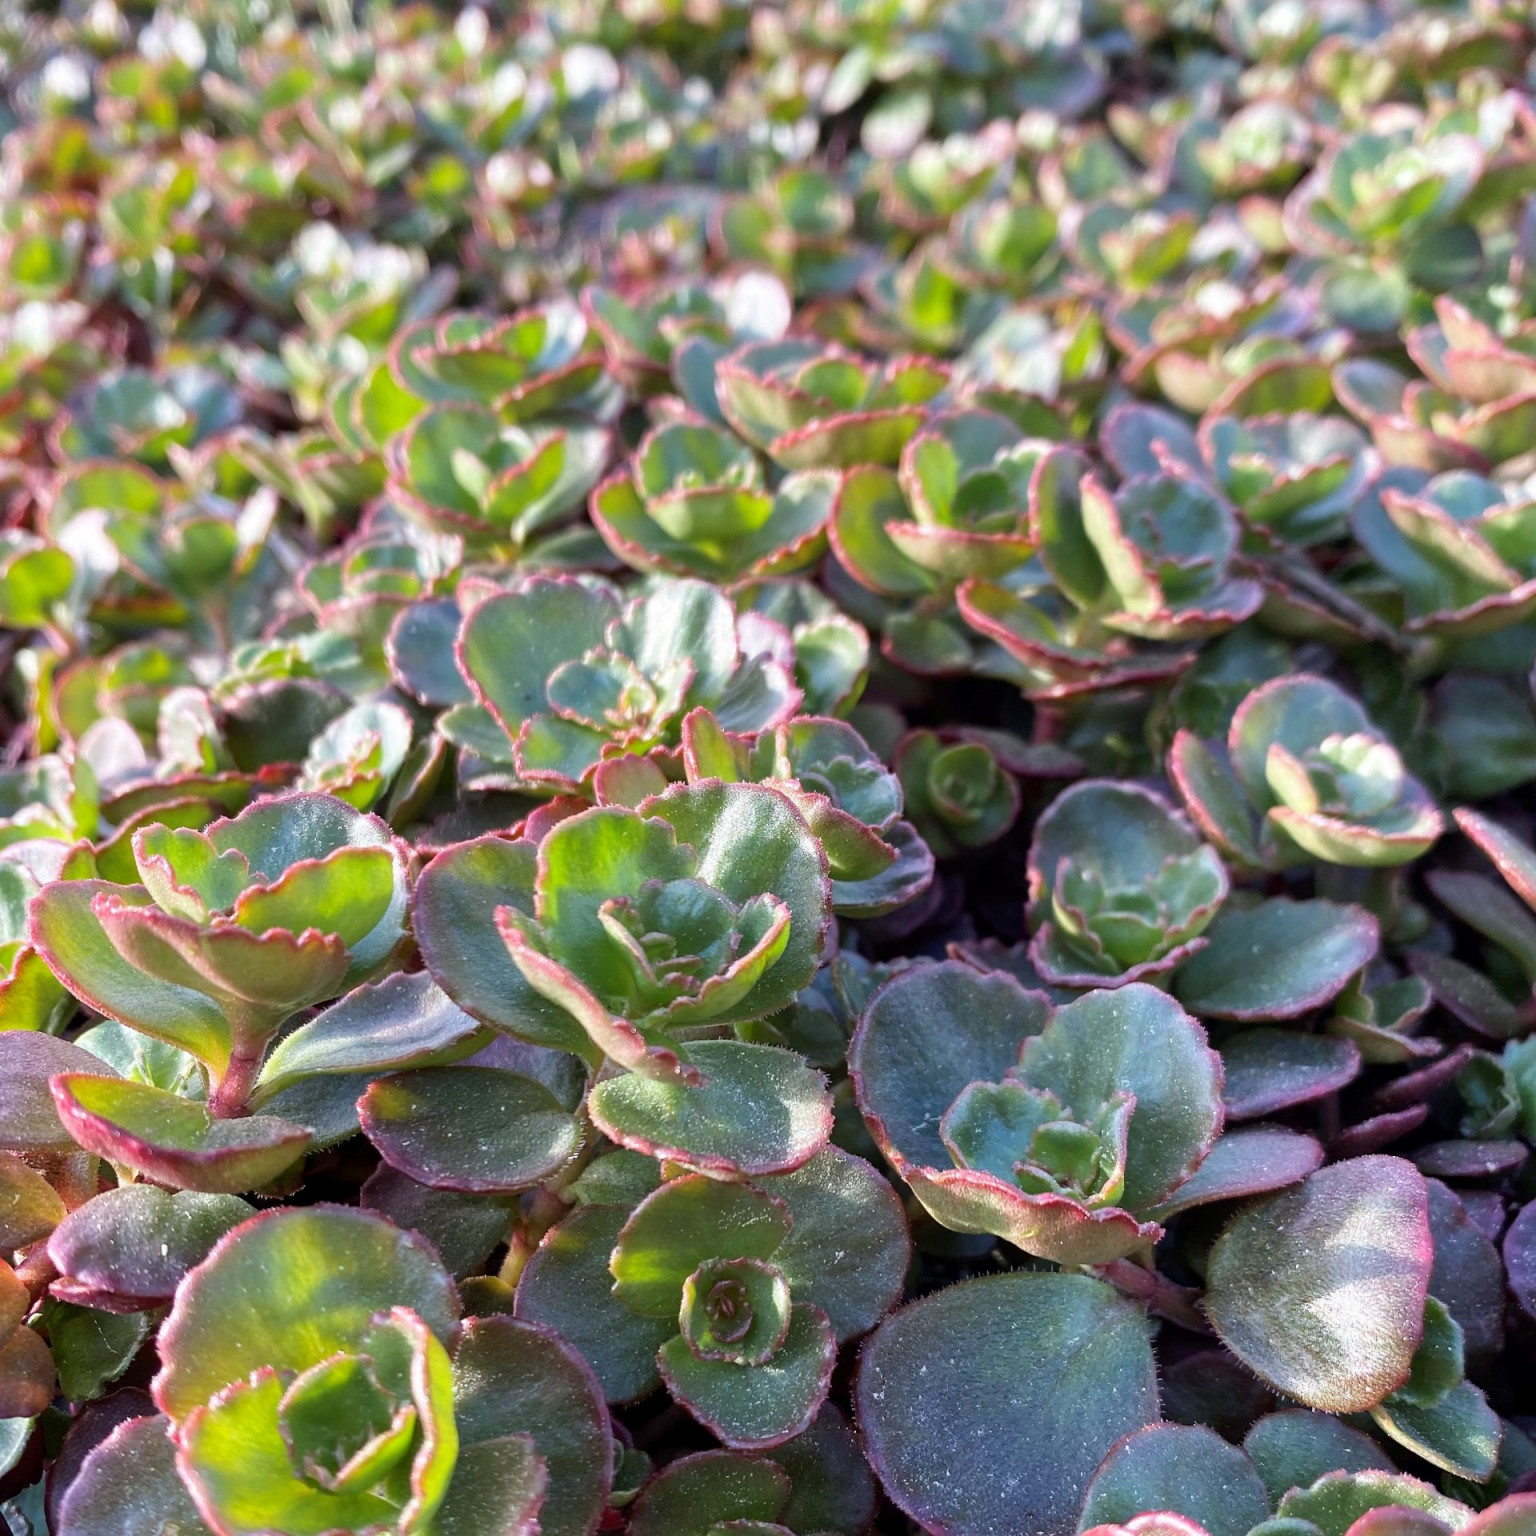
x=766 y=769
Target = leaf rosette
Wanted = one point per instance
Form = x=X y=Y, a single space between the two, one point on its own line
x=1460 y=548
x=694 y=501
x=641 y=937
x=1304 y=773
x=811 y=406
x=316 y=1378
x=461 y=469
x=565 y=676
x=849 y=798
x=728 y=1290
x=958 y=794
x=710 y=910
x=968 y=477
x=523 y=366
x=1061 y=1130
x=1120 y=886
x=1163 y=547
x=229 y=932
x=1292 y=475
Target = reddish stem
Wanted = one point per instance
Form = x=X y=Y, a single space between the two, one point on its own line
x=1177 y=1303
x=230 y=1099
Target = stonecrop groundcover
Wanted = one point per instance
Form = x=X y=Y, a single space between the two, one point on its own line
x=768 y=769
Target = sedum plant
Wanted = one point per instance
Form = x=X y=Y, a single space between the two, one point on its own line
x=1121 y=887
x=564 y=676
x=695 y=501
x=318 y=1377
x=724 y=741
x=1304 y=773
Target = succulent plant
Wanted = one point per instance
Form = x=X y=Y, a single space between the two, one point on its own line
x=695 y=501
x=810 y=406
x=460 y=469
x=1304 y=773
x=958 y=795
x=712 y=911
x=1121 y=886
x=368 y=1405
x=565 y=677
x=722 y=765
x=719 y=1288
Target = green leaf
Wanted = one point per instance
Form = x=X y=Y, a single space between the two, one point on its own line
x=869 y=501
x=29 y=1118
x=478 y=1130
x=1335 y=1501
x=464 y=1229
x=91 y=1348
x=847 y=1250
x=130 y=1247
x=833 y=1488
x=751 y=1407
x=1459 y=1433
x=566 y=1286
x=346 y=893
x=759 y=1110
x=510 y=643
x=1277 y=960
x=924 y=1036
x=1516 y=861
x=1247 y=1160
x=694 y=1493
x=498 y=1489
x=684 y=1223
x=1134 y=1040
x=513 y=1378
x=401 y=1021
x=288 y=1289
x=129 y=1483
x=1295 y=1447
x=175 y=1140
x=1187 y=1469
x=1438 y=1363
x=453 y=915
x=1268 y=1070
x=77 y=949
x=1320 y=1289
x=30 y=1208
x=1004 y=1434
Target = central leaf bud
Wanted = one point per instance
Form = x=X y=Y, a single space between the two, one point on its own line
x=729 y=1307
x=735 y=1310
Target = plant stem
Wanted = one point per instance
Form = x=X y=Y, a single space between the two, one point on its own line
x=1177 y=1303
x=230 y=1098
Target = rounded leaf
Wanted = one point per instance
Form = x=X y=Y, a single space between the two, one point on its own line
x=478 y=1130
x=1277 y=960
x=1268 y=1070
x=1320 y=1289
x=924 y=1037
x=986 y=1408
x=1134 y=1040
x=288 y=1289
x=566 y=1286
x=1186 y=1469
x=753 y=1407
x=129 y=1486
x=128 y=1248
x=847 y=1250
x=512 y=1377
x=758 y=1110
